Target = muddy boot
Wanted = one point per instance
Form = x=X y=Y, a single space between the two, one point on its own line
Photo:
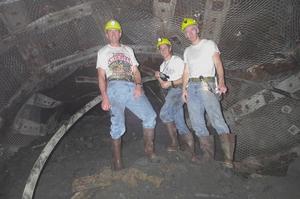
x=173 y=136
x=190 y=143
x=116 y=161
x=208 y=148
x=182 y=143
x=227 y=142
x=149 y=143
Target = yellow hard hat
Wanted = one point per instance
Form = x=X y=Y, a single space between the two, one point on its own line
x=112 y=25
x=163 y=40
x=187 y=22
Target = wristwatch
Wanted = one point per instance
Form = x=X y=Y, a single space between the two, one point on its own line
x=172 y=83
x=139 y=84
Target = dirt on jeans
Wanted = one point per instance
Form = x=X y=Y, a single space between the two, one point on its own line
x=79 y=168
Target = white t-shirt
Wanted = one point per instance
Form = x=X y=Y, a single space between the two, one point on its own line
x=173 y=68
x=116 y=61
x=199 y=58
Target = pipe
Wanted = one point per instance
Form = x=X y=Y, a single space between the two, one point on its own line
x=40 y=162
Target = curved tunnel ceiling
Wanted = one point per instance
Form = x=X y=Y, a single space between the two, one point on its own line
x=46 y=43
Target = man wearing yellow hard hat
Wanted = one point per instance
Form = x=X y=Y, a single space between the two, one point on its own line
x=203 y=83
x=171 y=113
x=121 y=87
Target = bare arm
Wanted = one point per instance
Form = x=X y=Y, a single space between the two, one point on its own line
x=105 y=105
x=220 y=72
x=167 y=84
x=185 y=80
x=185 y=76
x=138 y=81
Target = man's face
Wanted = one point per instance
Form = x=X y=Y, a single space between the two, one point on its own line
x=165 y=50
x=113 y=36
x=191 y=33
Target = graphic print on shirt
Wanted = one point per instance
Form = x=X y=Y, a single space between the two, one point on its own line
x=120 y=67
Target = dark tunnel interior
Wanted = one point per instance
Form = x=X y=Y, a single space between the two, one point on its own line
x=52 y=128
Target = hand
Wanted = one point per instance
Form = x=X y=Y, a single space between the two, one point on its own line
x=165 y=84
x=157 y=76
x=184 y=95
x=105 y=105
x=222 y=88
x=138 y=91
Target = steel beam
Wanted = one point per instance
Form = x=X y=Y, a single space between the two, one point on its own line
x=285 y=88
x=214 y=17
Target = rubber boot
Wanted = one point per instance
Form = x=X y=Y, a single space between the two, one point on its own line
x=116 y=161
x=149 y=143
x=227 y=142
x=173 y=136
x=190 y=143
x=208 y=148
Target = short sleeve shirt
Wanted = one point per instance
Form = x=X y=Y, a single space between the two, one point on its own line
x=173 y=68
x=199 y=58
x=116 y=61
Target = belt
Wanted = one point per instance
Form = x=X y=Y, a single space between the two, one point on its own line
x=120 y=79
x=201 y=79
x=178 y=86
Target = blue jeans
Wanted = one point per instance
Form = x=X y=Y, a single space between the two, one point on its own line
x=172 y=110
x=201 y=99
x=120 y=94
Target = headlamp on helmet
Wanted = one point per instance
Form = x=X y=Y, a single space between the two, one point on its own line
x=163 y=40
x=187 y=22
x=112 y=25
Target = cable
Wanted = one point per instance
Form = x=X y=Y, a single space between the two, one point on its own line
x=40 y=162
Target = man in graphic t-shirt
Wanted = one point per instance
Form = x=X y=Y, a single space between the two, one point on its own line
x=171 y=113
x=201 y=90
x=121 y=87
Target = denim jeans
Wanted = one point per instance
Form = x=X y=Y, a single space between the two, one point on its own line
x=120 y=94
x=201 y=99
x=172 y=110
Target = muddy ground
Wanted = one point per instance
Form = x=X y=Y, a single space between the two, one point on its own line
x=80 y=168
